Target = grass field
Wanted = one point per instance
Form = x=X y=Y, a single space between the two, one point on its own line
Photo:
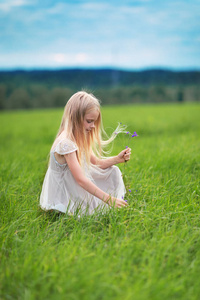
x=148 y=251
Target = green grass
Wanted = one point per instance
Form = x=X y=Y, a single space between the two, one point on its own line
x=150 y=250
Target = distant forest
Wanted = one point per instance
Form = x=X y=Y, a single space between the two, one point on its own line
x=52 y=88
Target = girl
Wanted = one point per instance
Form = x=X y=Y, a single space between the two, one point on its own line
x=78 y=178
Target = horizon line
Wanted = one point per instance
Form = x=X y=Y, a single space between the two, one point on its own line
x=155 y=68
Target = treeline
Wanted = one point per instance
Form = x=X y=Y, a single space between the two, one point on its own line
x=40 y=89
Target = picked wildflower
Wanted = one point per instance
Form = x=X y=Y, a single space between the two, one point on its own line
x=122 y=129
x=135 y=134
x=125 y=200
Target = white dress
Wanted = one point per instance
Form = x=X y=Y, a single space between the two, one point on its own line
x=61 y=192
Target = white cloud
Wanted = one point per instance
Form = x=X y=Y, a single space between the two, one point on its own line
x=7 y=5
x=59 y=57
x=82 y=58
x=59 y=8
x=68 y=58
x=96 y=6
x=136 y=59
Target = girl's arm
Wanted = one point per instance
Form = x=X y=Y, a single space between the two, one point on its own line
x=87 y=184
x=123 y=156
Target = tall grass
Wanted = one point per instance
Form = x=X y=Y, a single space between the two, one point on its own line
x=150 y=250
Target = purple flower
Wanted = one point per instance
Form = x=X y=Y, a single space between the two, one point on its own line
x=122 y=197
x=127 y=132
x=126 y=147
x=116 y=132
x=134 y=134
x=129 y=191
x=125 y=200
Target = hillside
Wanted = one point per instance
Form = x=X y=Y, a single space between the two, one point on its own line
x=52 y=88
x=95 y=78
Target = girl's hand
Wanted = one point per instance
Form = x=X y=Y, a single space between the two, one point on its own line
x=112 y=201
x=124 y=155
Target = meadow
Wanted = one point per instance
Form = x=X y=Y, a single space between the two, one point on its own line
x=149 y=250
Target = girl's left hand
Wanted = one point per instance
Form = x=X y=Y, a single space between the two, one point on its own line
x=124 y=155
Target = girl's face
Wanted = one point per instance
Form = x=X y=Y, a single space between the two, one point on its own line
x=89 y=119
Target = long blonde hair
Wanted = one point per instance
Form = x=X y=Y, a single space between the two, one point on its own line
x=72 y=124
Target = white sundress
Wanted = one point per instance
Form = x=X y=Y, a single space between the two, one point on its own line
x=62 y=193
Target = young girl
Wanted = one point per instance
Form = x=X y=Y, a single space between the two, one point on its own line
x=78 y=178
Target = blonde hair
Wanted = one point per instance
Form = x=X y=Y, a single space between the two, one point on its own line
x=72 y=124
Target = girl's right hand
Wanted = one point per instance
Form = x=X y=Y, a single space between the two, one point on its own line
x=112 y=201
x=124 y=155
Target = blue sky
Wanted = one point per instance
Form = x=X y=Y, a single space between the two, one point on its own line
x=126 y=34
